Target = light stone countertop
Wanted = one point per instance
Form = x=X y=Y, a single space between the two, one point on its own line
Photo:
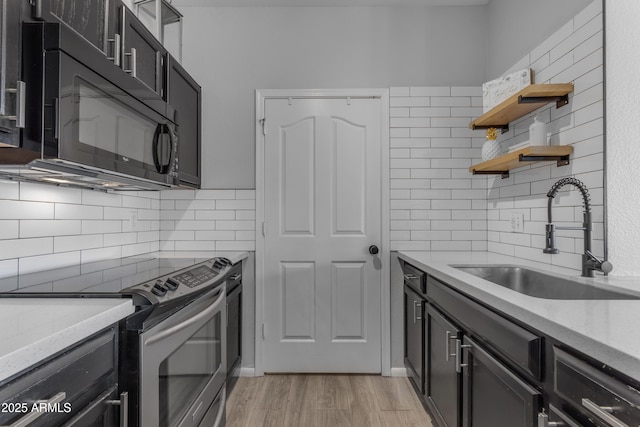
x=606 y=330
x=35 y=328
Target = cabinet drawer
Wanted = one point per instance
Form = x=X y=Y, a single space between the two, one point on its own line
x=73 y=380
x=415 y=278
x=606 y=400
x=517 y=344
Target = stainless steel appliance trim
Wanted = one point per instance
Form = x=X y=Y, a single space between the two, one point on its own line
x=154 y=353
x=223 y=401
x=205 y=314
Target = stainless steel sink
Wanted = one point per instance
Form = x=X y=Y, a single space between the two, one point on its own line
x=540 y=285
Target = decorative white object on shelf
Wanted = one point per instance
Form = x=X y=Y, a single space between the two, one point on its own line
x=167 y=29
x=491 y=147
x=538 y=132
x=496 y=91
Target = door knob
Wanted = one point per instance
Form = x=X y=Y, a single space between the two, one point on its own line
x=373 y=249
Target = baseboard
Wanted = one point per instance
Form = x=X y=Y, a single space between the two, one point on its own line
x=247 y=372
x=398 y=372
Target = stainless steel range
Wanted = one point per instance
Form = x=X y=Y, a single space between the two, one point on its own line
x=173 y=348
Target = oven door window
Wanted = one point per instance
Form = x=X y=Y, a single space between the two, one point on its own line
x=186 y=373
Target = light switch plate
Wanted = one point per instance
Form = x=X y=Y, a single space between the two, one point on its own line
x=517 y=222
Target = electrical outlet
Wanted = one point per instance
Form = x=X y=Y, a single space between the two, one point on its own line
x=517 y=222
x=133 y=220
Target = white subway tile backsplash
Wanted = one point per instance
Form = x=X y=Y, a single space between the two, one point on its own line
x=49 y=227
x=236 y=204
x=77 y=243
x=399 y=91
x=430 y=91
x=14 y=209
x=216 y=194
x=9 y=190
x=44 y=193
x=46 y=262
x=19 y=248
x=9 y=229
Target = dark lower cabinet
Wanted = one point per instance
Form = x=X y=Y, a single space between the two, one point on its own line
x=414 y=337
x=79 y=387
x=492 y=395
x=443 y=381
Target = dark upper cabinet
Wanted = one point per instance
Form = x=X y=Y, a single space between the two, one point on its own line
x=93 y=20
x=184 y=95
x=142 y=54
x=12 y=89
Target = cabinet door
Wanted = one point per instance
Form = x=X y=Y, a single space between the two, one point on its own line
x=443 y=382
x=185 y=97
x=414 y=337
x=91 y=19
x=493 y=395
x=12 y=91
x=143 y=54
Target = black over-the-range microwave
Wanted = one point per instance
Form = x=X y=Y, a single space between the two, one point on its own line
x=93 y=108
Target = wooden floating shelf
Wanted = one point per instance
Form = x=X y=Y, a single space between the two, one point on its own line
x=522 y=103
x=501 y=165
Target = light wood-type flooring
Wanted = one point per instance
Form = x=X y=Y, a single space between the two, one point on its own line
x=324 y=401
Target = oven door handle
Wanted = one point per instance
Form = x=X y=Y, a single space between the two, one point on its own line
x=195 y=319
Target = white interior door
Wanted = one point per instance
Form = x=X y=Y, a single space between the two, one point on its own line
x=322 y=197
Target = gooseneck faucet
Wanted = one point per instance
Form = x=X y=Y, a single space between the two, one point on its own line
x=590 y=262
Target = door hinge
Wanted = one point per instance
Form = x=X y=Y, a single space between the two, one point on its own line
x=263 y=122
x=264 y=228
x=263 y=331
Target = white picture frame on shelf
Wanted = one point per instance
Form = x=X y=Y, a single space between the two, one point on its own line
x=496 y=91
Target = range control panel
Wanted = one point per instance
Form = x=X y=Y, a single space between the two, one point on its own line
x=184 y=282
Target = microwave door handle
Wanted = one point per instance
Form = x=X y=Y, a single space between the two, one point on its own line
x=154 y=147
x=192 y=320
x=173 y=141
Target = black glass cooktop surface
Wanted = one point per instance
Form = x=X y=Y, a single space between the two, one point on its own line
x=101 y=277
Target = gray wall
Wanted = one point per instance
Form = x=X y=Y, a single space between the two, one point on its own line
x=517 y=26
x=232 y=51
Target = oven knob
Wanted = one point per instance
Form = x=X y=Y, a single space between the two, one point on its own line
x=172 y=284
x=158 y=290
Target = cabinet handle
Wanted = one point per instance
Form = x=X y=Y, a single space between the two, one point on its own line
x=117 y=54
x=133 y=63
x=416 y=304
x=21 y=100
x=32 y=416
x=124 y=408
x=543 y=421
x=235 y=276
x=447 y=345
x=410 y=276
x=603 y=412
x=459 y=349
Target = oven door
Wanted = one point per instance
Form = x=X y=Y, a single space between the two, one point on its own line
x=94 y=123
x=183 y=363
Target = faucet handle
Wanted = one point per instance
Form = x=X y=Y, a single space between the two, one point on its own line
x=597 y=264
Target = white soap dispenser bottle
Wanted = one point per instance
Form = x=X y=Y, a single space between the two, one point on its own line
x=538 y=132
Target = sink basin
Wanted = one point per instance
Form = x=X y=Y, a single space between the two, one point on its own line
x=541 y=285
